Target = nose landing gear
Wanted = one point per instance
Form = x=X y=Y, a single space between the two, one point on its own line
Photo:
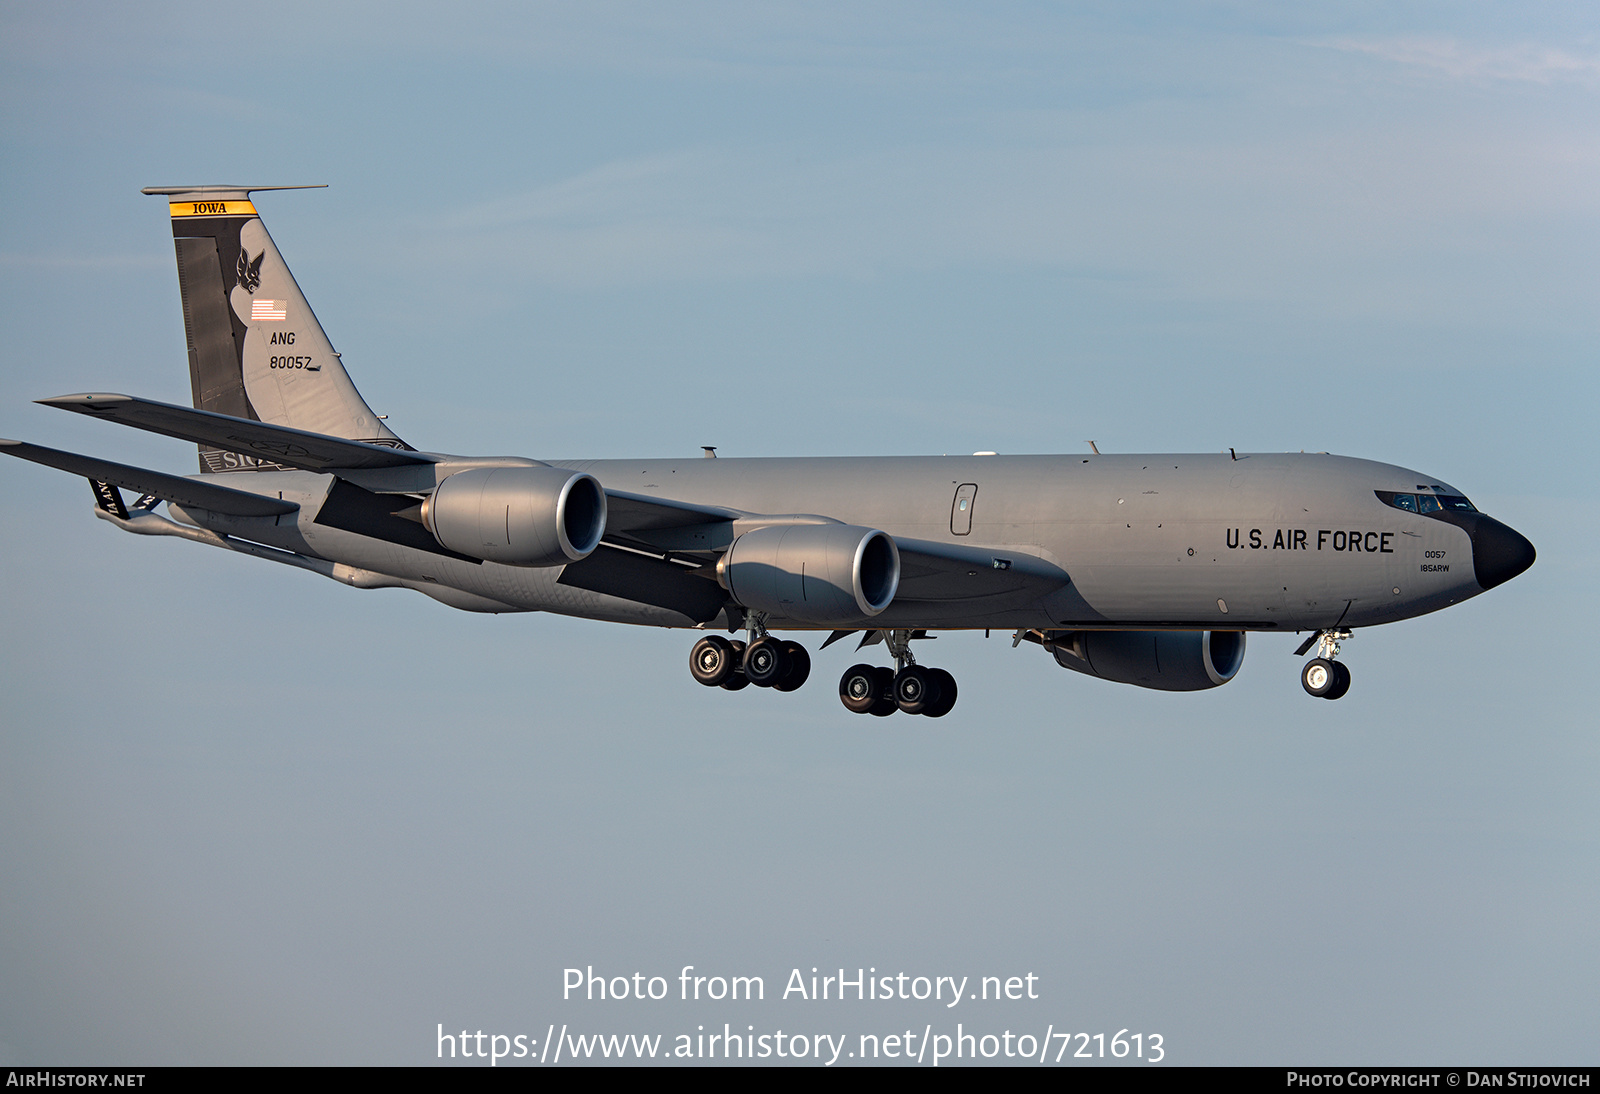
x=1323 y=676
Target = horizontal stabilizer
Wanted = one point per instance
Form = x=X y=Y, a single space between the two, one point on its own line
x=186 y=492
x=272 y=444
x=217 y=190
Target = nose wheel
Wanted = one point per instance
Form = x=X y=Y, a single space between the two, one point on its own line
x=1322 y=676
x=1325 y=679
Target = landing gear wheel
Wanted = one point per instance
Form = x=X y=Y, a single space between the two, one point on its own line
x=1320 y=677
x=914 y=689
x=859 y=689
x=799 y=667
x=737 y=680
x=947 y=694
x=886 y=704
x=712 y=660
x=1341 y=681
x=765 y=662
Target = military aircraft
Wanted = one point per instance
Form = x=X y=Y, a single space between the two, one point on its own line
x=1142 y=569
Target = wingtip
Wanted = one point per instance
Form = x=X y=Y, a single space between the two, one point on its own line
x=84 y=399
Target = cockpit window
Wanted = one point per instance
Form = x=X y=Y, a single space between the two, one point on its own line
x=1426 y=503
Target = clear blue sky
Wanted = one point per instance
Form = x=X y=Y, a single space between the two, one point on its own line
x=247 y=815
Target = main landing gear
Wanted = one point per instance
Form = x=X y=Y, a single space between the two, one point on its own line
x=764 y=661
x=880 y=691
x=769 y=662
x=1323 y=676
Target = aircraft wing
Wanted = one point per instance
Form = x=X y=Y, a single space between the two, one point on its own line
x=200 y=495
x=931 y=571
x=276 y=443
x=661 y=524
x=647 y=580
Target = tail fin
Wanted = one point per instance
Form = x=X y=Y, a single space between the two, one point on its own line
x=255 y=348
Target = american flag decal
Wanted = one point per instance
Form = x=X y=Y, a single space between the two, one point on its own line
x=268 y=310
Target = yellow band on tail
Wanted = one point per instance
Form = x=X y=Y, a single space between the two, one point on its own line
x=212 y=209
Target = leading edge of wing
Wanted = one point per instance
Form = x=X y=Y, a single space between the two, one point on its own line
x=184 y=491
x=274 y=443
x=661 y=524
x=932 y=571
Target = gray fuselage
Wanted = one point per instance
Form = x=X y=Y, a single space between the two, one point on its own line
x=1258 y=542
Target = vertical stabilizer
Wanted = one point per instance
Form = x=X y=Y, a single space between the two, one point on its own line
x=256 y=349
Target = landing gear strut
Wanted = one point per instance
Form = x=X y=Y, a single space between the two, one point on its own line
x=865 y=689
x=1323 y=676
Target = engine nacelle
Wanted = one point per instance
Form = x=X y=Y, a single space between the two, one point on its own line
x=521 y=516
x=819 y=573
x=1164 y=660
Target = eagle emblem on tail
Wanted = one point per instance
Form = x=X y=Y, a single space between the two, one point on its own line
x=250 y=270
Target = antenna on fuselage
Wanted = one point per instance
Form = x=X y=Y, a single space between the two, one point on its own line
x=1094 y=448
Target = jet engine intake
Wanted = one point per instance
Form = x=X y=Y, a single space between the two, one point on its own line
x=818 y=573
x=521 y=516
x=1163 y=660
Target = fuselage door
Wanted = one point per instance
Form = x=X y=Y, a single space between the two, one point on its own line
x=961 y=508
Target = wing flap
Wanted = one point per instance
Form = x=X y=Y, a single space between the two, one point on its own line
x=188 y=492
x=273 y=443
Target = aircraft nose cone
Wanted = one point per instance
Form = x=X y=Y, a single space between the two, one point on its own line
x=1499 y=552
